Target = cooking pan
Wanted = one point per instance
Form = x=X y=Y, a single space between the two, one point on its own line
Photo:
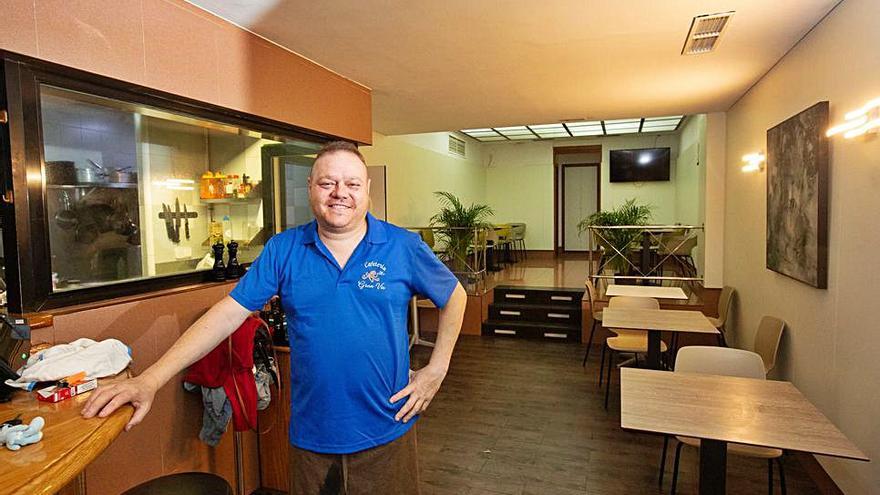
x=92 y=174
x=122 y=176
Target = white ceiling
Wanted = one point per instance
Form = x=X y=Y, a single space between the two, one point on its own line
x=457 y=64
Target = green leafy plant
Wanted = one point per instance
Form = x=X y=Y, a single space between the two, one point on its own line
x=459 y=225
x=614 y=240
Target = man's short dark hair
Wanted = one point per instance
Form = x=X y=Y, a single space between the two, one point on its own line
x=334 y=146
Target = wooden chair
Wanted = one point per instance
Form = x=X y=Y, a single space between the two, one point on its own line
x=725 y=301
x=679 y=247
x=595 y=314
x=505 y=241
x=728 y=362
x=629 y=341
x=767 y=340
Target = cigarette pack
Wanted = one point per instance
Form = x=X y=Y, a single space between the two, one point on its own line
x=57 y=393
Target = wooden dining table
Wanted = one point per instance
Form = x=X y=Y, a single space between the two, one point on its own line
x=721 y=409
x=69 y=443
x=656 y=321
x=645 y=291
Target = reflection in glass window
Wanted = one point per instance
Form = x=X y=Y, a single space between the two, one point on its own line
x=134 y=192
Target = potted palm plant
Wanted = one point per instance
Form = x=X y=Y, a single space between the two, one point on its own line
x=459 y=224
x=616 y=241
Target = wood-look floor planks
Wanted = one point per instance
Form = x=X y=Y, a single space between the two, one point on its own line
x=521 y=417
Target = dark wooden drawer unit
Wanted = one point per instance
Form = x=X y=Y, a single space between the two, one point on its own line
x=531 y=330
x=535 y=312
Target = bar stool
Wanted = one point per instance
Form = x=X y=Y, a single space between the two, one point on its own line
x=192 y=483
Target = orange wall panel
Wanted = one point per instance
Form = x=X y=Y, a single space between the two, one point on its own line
x=173 y=46
x=101 y=37
x=18 y=31
x=167 y=440
x=180 y=51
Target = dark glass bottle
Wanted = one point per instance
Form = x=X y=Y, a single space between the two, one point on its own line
x=280 y=323
x=218 y=273
x=233 y=269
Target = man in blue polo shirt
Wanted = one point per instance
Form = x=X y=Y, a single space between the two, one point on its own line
x=345 y=281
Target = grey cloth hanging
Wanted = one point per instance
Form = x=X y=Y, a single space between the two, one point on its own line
x=217 y=410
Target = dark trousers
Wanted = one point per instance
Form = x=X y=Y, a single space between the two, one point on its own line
x=390 y=469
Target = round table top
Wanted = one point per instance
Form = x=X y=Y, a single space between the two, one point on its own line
x=69 y=442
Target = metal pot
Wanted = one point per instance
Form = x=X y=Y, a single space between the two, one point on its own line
x=60 y=172
x=123 y=175
x=89 y=176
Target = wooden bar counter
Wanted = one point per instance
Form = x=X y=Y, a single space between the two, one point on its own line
x=69 y=444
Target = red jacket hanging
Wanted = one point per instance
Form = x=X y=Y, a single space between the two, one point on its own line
x=232 y=372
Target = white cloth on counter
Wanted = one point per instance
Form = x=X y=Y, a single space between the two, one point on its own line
x=97 y=359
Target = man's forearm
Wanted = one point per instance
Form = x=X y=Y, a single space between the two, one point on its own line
x=199 y=339
x=448 y=328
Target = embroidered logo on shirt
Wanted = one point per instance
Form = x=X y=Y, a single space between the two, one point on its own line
x=372 y=278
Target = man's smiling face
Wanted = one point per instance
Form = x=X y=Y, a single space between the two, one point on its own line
x=339 y=191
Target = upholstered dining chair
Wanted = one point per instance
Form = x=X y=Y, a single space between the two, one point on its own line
x=728 y=362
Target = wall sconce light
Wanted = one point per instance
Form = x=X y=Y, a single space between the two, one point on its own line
x=859 y=121
x=754 y=162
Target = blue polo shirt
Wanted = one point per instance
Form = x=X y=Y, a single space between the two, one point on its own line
x=349 y=349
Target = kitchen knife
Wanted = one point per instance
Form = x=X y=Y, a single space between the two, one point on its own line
x=176 y=220
x=169 y=229
x=185 y=222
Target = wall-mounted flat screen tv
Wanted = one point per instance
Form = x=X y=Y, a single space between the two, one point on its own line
x=642 y=165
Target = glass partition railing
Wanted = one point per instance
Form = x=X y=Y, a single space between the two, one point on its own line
x=463 y=249
x=644 y=253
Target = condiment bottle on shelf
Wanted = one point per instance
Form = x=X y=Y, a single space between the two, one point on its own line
x=227 y=228
x=219 y=185
x=216 y=233
x=206 y=186
x=236 y=183
x=230 y=186
x=245 y=186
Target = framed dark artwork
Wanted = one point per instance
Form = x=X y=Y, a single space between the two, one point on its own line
x=797 y=197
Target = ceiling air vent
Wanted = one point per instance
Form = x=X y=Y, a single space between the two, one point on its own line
x=705 y=32
x=457 y=146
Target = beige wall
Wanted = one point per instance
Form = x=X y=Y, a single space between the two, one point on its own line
x=713 y=199
x=522 y=192
x=831 y=346
x=519 y=182
x=419 y=164
x=173 y=46
x=690 y=179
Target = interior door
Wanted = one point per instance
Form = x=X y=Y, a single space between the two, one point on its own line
x=580 y=199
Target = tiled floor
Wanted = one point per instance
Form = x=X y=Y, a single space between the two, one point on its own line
x=522 y=417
